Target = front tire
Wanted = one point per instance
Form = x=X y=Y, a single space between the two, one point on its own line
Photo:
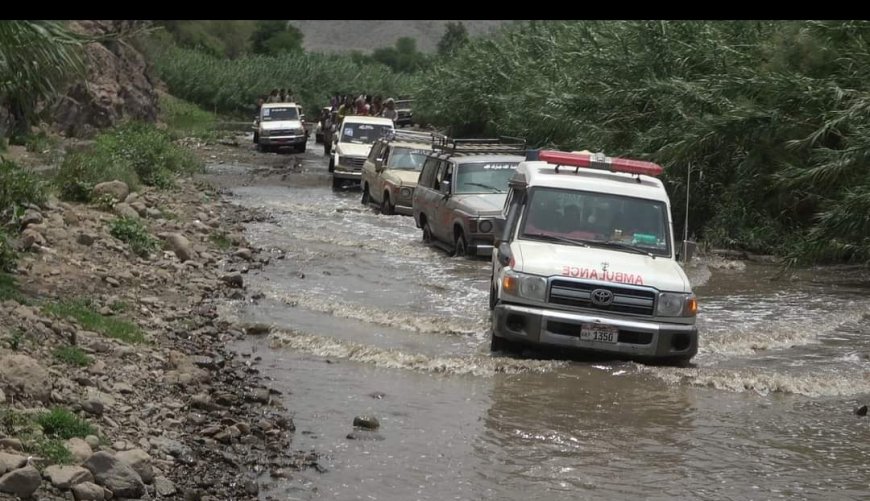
x=365 y=195
x=500 y=344
x=427 y=233
x=460 y=247
x=387 y=209
x=337 y=184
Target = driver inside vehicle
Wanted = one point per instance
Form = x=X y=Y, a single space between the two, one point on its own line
x=600 y=221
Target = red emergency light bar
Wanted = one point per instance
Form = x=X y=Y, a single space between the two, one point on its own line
x=599 y=161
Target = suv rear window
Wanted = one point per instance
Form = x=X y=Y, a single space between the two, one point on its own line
x=363 y=133
x=279 y=114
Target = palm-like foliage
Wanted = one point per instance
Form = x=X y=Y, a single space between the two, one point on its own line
x=37 y=58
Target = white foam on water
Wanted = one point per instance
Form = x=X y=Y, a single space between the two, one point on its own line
x=396 y=359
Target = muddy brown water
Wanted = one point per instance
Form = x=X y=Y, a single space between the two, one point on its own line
x=382 y=325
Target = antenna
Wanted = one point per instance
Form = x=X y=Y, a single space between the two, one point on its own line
x=686 y=224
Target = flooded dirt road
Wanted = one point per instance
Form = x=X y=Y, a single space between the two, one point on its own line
x=370 y=321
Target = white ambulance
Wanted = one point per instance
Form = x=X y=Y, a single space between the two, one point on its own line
x=587 y=260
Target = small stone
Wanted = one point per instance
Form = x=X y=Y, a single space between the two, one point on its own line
x=366 y=422
x=233 y=280
x=228 y=435
x=140 y=461
x=31 y=237
x=117 y=189
x=123 y=388
x=93 y=441
x=117 y=476
x=22 y=482
x=64 y=477
x=153 y=213
x=139 y=207
x=88 y=491
x=164 y=486
x=31 y=217
x=861 y=411
x=124 y=210
x=9 y=462
x=181 y=246
x=80 y=449
x=12 y=444
x=244 y=253
x=378 y=395
x=93 y=406
x=258 y=329
x=86 y=239
x=364 y=435
x=113 y=282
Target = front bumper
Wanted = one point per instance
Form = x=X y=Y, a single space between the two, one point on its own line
x=482 y=244
x=637 y=338
x=282 y=140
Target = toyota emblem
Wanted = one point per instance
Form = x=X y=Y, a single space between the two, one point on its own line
x=602 y=297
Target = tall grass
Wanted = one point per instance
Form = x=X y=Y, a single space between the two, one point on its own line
x=232 y=86
x=771 y=117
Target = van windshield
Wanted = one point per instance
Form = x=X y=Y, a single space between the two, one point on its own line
x=597 y=219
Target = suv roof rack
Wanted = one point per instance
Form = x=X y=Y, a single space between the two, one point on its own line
x=414 y=136
x=502 y=145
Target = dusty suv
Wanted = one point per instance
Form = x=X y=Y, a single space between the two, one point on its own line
x=390 y=172
x=279 y=125
x=352 y=142
x=461 y=191
x=404 y=112
x=586 y=260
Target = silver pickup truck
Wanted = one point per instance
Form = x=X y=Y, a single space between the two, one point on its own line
x=461 y=191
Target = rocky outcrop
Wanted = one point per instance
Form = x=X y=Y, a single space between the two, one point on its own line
x=118 y=85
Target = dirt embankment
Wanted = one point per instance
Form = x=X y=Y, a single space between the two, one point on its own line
x=133 y=347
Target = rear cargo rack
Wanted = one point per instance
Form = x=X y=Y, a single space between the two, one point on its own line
x=501 y=146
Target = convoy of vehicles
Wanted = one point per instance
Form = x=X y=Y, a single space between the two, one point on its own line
x=582 y=246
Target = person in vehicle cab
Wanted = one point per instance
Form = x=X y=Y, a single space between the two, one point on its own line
x=274 y=96
x=377 y=106
x=600 y=221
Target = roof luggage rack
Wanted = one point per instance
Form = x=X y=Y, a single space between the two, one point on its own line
x=414 y=136
x=502 y=145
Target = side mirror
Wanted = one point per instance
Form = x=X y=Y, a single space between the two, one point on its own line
x=497 y=229
x=504 y=255
x=379 y=164
x=445 y=188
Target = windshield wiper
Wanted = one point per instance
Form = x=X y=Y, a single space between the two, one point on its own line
x=611 y=243
x=485 y=186
x=555 y=238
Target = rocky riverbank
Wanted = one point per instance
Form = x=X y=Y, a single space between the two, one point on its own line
x=114 y=377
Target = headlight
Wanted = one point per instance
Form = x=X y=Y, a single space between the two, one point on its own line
x=523 y=285
x=265 y=133
x=485 y=226
x=297 y=131
x=671 y=304
x=406 y=192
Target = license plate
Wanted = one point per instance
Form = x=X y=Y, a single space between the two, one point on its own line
x=598 y=333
